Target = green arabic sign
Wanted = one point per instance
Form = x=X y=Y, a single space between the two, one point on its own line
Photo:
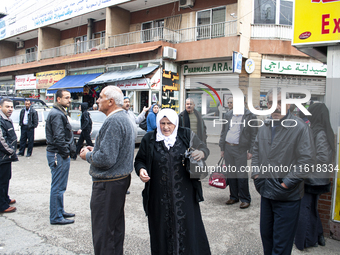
x=293 y=68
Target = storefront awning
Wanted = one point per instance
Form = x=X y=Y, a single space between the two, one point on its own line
x=122 y=75
x=72 y=83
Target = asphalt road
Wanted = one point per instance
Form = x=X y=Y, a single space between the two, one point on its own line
x=230 y=230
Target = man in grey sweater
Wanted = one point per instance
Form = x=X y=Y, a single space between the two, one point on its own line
x=111 y=161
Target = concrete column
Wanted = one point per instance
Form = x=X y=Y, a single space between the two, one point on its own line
x=90 y=23
x=117 y=22
x=255 y=77
x=7 y=49
x=332 y=86
x=47 y=38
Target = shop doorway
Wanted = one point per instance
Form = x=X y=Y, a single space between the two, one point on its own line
x=144 y=100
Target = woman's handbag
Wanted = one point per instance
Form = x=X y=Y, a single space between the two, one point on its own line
x=218 y=180
x=197 y=169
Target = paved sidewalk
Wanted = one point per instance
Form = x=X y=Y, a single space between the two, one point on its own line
x=230 y=230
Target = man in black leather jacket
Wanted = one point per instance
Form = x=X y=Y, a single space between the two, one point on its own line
x=59 y=139
x=28 y=121
x=282 y=153
x=8 y=147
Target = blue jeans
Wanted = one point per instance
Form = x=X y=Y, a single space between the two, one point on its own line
x=59 y=173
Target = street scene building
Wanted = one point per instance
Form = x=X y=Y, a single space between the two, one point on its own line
x=164 y=51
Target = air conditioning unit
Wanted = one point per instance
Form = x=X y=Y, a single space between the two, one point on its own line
x=169 y=52
x=186 y=3
x=20 y=44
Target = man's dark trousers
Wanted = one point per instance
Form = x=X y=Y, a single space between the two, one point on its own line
x=84 y=135
x=26 y=134
x=107 y=216
x=278 y=224
x=5 y=176
x=238 y=181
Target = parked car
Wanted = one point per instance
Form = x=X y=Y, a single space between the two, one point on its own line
x=39 y=132
x=19 y=102
x=98 y=119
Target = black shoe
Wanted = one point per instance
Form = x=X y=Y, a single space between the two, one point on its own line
x=28 y=155
x=21 y=155
x=127 y=192
x=62 y=222
x=68 y=215
x=321 y=240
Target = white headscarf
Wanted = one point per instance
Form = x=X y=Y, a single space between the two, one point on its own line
x=170 y=140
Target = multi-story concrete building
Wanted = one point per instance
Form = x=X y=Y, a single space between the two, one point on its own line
x=155 y=50
x=194 y=40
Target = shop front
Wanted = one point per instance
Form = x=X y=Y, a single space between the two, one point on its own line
x=289 y=74
x=75 y=85
x=25 y=86
x=45 y=80
x=206 y=83
x=141 y=85
x=7 y=86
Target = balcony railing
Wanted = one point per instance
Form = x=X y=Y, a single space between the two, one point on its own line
x=216 y=30
x=19 y=59
x=75 y=48
x=271 y=31
x=143 y=36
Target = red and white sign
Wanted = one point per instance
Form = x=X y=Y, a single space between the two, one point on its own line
x=155 y=82
x=27 y=81
x=133 y=84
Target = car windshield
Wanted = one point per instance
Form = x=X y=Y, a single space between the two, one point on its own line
x=97 y=116
x=15 y=116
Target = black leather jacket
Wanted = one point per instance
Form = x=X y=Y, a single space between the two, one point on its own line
x=247 y=133
x=324 y=154
x=33 y=120
x=59 y=135
x=144 y=159
x=292 y=150
x=8 y=140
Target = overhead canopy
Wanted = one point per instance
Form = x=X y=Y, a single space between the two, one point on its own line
x=122 y=75
x=72 y=83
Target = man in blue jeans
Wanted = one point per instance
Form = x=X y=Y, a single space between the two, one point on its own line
x=59 y=139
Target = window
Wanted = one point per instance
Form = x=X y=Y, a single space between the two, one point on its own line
x=100 y=35
x=211 y=23
x=152 y=30
x=81 y=44
x=273 y=12
x=30 y=55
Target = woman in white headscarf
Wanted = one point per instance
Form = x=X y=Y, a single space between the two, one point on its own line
x=170 y=196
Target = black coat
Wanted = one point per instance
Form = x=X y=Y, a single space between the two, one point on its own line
x=85 y=120
x=247 y=133
x=8 y=140
x=293 y=148
x=144 y=159
x=59 y=135
x=33 y=120
x=184 y=121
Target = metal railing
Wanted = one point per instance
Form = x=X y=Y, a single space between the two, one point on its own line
x=271 y=31
x=74 y=48
x=143 y=36
x=222 y=29
x=19 y=59
x=216 y=30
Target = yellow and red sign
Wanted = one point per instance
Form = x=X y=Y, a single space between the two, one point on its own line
x=47 y=79
x=316 y=22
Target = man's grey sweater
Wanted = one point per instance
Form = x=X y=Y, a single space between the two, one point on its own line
x=112 y=156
